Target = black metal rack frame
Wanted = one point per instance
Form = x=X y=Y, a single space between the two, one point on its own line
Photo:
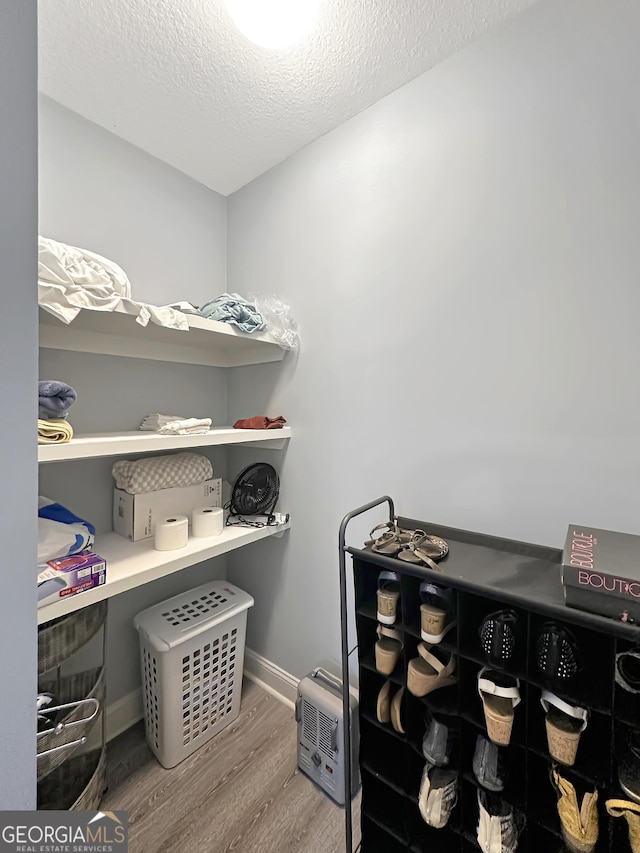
x=484 y=572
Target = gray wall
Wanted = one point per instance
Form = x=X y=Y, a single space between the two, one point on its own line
x=463 y=259
x=169 y=234
x=167 y=231
x=18 y=349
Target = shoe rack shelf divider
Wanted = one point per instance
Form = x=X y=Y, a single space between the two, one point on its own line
x=487 y=574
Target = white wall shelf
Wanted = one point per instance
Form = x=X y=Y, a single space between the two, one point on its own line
x=132 y=564
x=99 y=444
x=207 y=341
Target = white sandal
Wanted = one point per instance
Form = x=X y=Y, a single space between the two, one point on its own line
x=564 y=723
x=438 y=795
x=499 y=702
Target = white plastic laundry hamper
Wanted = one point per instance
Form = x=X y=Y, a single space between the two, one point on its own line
x=192 y=655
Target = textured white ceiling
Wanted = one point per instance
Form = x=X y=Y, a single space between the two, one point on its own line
x=177 y=79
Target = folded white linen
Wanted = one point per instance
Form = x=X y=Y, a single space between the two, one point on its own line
x=155 y=420
x=188 y=426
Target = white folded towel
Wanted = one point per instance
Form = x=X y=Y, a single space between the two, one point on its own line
x=188 y=426
x=154 y=421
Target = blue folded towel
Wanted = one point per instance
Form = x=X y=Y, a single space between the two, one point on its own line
x=54 y=399
x=232 y=308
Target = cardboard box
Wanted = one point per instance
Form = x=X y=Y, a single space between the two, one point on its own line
x=134 y=516
x=69 y=576
x=601 y=572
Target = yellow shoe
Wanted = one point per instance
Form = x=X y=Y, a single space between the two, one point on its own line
x=631 y=813
x=579 y=825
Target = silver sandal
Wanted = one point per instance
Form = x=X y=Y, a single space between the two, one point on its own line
x=424 y=549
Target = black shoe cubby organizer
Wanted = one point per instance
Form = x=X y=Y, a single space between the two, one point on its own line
x=487 y=574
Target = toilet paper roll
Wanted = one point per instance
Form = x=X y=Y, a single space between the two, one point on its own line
x=207 y=521
x=172 y=533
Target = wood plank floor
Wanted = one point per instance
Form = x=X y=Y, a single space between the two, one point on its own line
x=240 y=792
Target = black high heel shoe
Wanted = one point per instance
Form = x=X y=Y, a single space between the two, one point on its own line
x=498 y=636
x=557 y=653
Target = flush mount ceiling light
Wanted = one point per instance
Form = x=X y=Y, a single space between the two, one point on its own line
x=274 y=24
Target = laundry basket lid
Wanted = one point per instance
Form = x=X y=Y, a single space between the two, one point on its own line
x=188 y=614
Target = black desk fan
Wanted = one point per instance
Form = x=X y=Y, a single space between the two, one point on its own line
x=255 y=492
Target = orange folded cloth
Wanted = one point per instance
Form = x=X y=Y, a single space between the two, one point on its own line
x=260 y=422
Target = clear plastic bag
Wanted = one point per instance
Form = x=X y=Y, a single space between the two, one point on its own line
x=277 y=315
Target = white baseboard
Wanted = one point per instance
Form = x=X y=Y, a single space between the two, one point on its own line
x=128 y=710
x=272 y=678
x=124 y=713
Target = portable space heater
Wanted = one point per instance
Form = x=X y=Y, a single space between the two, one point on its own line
x=320 y=732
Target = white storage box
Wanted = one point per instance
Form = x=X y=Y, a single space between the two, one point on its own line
x=134 y=516
x=192 y=657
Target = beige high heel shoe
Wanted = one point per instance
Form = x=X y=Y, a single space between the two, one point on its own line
x=387 y=597
x=430 y=672
x=500 y=695
x=631 y=813
x=396 y=712
x=389 y=710
x=564 y=724
x=437 y=616
x=388 y=649
x=383 y=704
x=579 y=824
